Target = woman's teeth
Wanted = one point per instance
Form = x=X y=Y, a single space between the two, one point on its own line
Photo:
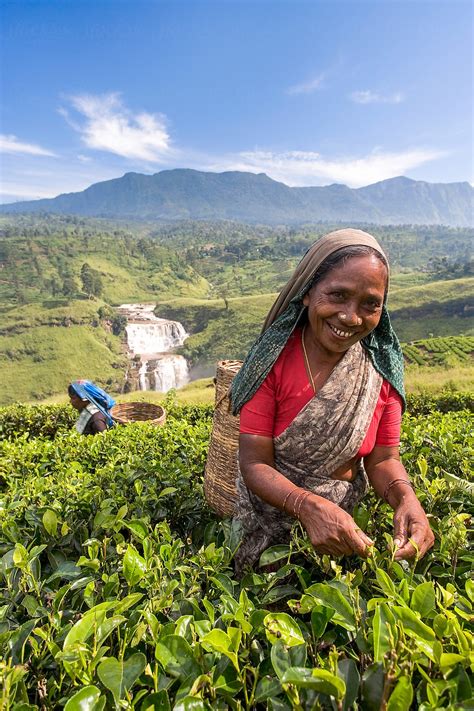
x=338 y=332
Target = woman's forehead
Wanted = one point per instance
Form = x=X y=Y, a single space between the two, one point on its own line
x=355 y=267
x=367 y=273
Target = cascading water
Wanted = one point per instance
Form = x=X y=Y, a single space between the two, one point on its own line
x=151 y=338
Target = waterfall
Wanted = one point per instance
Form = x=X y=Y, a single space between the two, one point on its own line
x=150 y=340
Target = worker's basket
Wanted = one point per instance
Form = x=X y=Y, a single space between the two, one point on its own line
x=222 y=466
x=126 y=412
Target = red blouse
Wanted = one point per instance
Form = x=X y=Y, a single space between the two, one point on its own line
x=286 y=390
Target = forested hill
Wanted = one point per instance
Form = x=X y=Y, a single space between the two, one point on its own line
x=191 y=194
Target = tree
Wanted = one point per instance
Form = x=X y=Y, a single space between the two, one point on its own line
x=55 y=286
x=69 y=286
x=91 y=280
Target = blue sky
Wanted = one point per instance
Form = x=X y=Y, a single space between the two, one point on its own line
x=310 y=92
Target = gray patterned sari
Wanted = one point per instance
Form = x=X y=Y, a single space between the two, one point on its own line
x=326 y=434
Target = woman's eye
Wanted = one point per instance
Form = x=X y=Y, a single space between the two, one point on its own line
x=372 y=305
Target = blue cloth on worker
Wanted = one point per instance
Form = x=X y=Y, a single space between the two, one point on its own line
x=87 y=390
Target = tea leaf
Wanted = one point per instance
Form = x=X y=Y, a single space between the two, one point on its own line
x=88 y=698
x=333 y=598
x=50 y=522
x=176 y=656
x=120 y=676
x=279 y=625
x=412 y=624
x=402 y=696
x=423 y=599
x=274 y=554
x=385 y=636
x=219 y=641
x=319 y=680
x=134 y=566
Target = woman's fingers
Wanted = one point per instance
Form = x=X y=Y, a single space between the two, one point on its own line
x=359 y=542
x=368 y=541
x=412 y=533
x=332 y=531
x=419 y=542
x=400 y=538
x=406 y=552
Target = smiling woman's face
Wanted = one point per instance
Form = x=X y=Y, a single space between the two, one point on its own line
x=346 y=305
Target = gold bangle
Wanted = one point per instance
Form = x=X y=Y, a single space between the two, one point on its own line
x=287 y=497
x=295 y=504
x=302 y=499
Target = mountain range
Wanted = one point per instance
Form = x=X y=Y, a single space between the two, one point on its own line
x=248 y=197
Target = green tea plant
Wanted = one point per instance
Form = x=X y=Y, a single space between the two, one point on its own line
x=439 y=351
x=118 y=590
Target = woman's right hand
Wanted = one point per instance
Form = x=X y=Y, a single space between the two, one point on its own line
x=331 y=530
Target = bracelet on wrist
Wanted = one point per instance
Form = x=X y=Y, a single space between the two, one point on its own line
x=392 y=483
x=297 y=500
x=302 y=499
x=301 y=493
x=286 y=499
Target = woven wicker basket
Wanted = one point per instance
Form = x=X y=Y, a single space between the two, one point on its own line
x=221 y=465
x=126 y=412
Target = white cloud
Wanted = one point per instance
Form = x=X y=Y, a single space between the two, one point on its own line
x=309 y=168
x=107 y=125
x=11 y=144
x=371 y=97
x=308 y=87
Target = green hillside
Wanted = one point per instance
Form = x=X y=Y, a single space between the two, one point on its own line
x=43 y=348
x=42 y=263
x=60 y=278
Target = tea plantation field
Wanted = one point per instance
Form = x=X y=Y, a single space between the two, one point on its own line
x=118 y=591
x=440 y=351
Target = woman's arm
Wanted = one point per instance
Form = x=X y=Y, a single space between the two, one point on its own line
x=390 y=480
x=98 y=423
x=330 y=529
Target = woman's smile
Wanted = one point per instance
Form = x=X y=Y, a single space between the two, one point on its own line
x=340 y=333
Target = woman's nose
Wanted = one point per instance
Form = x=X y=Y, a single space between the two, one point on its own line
x=349 y=317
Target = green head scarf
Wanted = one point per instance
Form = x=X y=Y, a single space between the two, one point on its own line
x=382 y=343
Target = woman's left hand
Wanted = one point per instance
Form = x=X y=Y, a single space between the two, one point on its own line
x=383 y=467
x=411 y=524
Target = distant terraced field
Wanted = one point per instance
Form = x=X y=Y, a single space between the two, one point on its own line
x=447 y=351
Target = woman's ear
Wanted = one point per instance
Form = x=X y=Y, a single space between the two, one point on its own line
x=306 y=299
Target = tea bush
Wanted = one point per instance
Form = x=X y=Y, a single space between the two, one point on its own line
x=50 y=420
x=35 y=420
x=445 y=401
x=118 y=589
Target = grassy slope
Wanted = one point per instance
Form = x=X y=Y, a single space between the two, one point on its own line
x=422 y=379
x=433 y=292
x=122 y=284
x=433 y=309
x=43 y=347
x=45 y=359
